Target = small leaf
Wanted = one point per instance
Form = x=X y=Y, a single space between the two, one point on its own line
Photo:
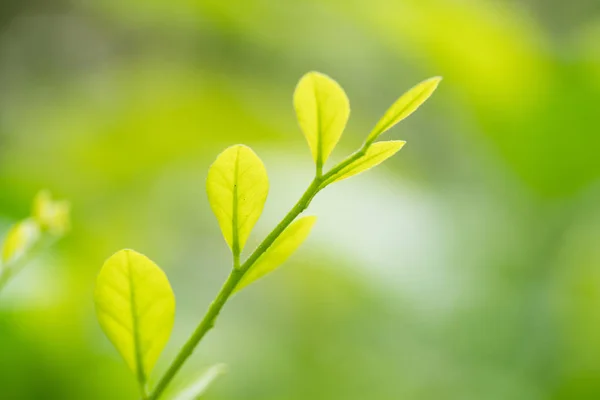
x=51 y=215
x=19 y=239
x=200 y=385
x=237 y=187
x=281 y=249
x=136 y=309
x=322 y=109
x=375 y=155
x=405 y=106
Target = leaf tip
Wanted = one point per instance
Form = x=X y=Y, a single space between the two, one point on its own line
x=398 y=144
x=434 y=81
x=240 y=146
x=123 y=252
x=235 y=148
x=315 y=74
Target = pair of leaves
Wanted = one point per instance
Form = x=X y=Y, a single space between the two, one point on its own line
x=135 y=306
x=47 y=215
x=322 y=108
x=134 y=301
x=237 y=187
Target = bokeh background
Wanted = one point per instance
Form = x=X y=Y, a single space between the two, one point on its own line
x=466 y=267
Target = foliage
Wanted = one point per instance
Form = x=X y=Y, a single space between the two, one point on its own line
x=136 y=309
x=49 y=221
x=134 y=301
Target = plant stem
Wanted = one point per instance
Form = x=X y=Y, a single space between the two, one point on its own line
x=330 y=176
x=205 y=325
x=319 y=183
x=229 y=286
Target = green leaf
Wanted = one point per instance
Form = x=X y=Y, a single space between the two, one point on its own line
x=200 y=385
x=281 y=249
x=136 y=309
x=405 y=106
x=322 y=109
x=375 y=155
x=19 y=239
x=237 y=187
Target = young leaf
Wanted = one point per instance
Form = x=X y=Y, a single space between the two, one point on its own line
x=281 y=249
x=405 y=106
x=237 y=187
x=19 y=239
x=52 y=216
x=200 y=385
x=375 y=155
x=323 y=110
x=136 y=309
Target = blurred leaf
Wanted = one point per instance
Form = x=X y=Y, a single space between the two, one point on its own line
x=408 y=103
x=285 y=245
x=237 y=187
x=51 y=215
x=19 y=239
x=199 y=387
x=375 y=155
x=323 y=110
x=136 y=309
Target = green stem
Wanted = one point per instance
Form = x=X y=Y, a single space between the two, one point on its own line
x=319 y=183
x=208 y=322
x=202 y=329
x=330 y=176
x=228 y=287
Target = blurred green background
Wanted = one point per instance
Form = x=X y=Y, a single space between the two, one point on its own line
x=466 y=267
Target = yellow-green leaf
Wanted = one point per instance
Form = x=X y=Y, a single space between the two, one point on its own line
x=237 y=187
x=323 y=109
x=283 y=247
x=51 y=215
x=136 y=309
x=375 y=155
x=405 y=106
x=19 y=239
